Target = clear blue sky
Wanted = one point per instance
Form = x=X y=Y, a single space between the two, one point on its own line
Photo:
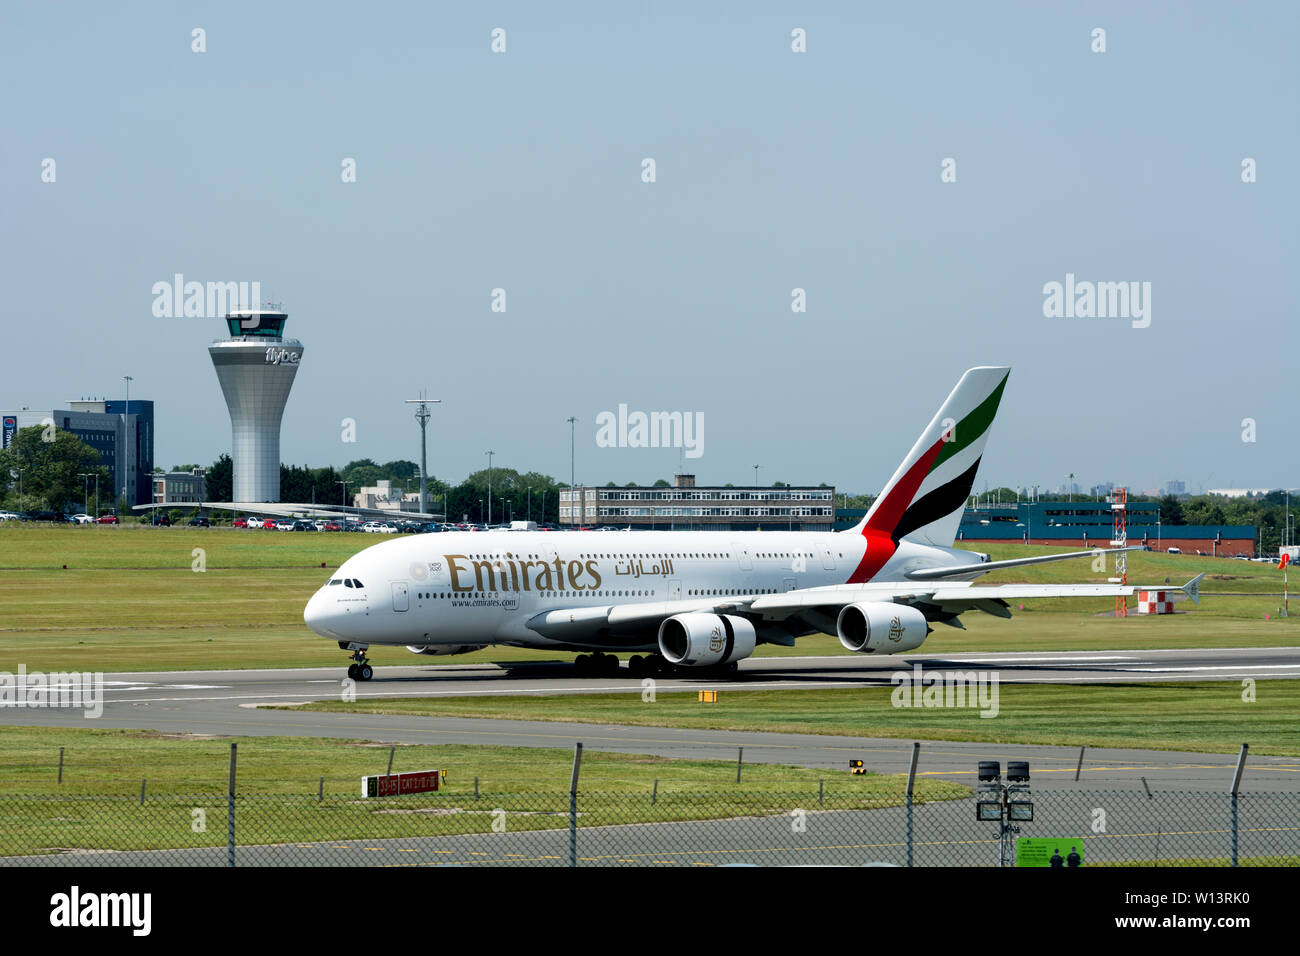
x=775 y=170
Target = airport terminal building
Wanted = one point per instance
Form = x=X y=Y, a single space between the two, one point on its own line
x=685 y=506
x=1089 y=524
x=123 y=437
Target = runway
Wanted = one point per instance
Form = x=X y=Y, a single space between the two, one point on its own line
x=227 y=703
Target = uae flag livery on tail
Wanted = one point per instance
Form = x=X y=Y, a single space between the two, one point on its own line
x=923 y=502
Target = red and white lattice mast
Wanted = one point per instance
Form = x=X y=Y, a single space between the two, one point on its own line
x=1119 y=539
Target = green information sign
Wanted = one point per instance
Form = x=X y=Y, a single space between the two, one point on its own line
x=1049 y=851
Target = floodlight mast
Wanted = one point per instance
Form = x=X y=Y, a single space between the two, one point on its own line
x=997 y=798
x=422 y=415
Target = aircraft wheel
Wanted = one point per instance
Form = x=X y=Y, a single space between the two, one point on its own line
x=635 y=665
x=365 y=672
x=610 y=665
x=582 y=664
x=352 y=671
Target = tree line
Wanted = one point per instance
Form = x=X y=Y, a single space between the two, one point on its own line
x=52 y=469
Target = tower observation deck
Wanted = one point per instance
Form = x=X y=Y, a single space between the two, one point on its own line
x=256 y=367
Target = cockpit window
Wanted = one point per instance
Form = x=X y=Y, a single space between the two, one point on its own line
x=357 y=584
x=348 y=582
x=336 y=581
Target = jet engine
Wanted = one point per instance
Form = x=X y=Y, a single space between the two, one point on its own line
x=438 y=650
x=881 y=628
x=700 y=639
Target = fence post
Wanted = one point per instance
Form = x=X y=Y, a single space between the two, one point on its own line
x=60 y=765
x=142 y=780
x=320 y=791
x=654 y=794
x=476 y=788
x=740 y=759
x=230 y=810
x=1236 y=782
x=1079 y=768
x=573 y=805
x=1160 y=829
x=911 y=779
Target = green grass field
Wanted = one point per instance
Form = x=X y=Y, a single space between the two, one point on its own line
x=113 y=762
x=1209 y=717
x=97 y=806
x=129 y=600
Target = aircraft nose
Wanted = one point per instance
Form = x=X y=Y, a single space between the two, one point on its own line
x=316 y=616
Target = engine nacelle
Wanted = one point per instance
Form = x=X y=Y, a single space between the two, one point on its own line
x=439 y=650
x=881 y=628
x=700 y=639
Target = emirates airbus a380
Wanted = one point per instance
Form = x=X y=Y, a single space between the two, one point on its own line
x=699 y=601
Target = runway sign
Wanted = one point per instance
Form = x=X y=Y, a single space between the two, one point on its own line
x=392 y=785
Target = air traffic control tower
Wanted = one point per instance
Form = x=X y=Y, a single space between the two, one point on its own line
x=256 y=367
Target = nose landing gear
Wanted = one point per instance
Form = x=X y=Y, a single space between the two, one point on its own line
x=361 y=670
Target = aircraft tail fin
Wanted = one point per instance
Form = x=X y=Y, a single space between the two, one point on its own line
x=925 y=499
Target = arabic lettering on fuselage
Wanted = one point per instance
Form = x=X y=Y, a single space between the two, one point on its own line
x=638 y=569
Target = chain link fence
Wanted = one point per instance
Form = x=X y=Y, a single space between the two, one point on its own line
x=1108 y=828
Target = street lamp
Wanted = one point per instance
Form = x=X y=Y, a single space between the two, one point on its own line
x=572 y=421
x=490 y=454
x=345 y=492
x=756 y=476
x=123 y=460
x=85 y=498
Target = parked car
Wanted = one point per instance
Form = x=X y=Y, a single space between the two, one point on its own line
x=284 y=524
x=161 y=519
x=269 y=524
x=198 y=521
x=107 y=519
x=81 y=519
x=303 y=526
x=240 y=523
x=1175 y=550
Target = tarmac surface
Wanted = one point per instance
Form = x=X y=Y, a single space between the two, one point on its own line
x=231 y=703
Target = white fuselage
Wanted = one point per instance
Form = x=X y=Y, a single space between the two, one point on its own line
x=477 y=588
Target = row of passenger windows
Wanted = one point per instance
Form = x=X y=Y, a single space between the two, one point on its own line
x=584 y=557
x=346 y=582
x=697 y=592
x=511 y=555
x=439 y=595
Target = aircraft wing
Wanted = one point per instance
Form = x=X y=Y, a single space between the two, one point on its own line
x=983 y=567
x=945 y=597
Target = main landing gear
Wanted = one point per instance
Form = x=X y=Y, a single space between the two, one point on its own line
x=596 y=665
x=361 y=670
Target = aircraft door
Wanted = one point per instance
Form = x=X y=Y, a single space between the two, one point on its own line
x=400 y=597
x=787 y=584
x=828 y=559
x=743 y=556
x=674 y=590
